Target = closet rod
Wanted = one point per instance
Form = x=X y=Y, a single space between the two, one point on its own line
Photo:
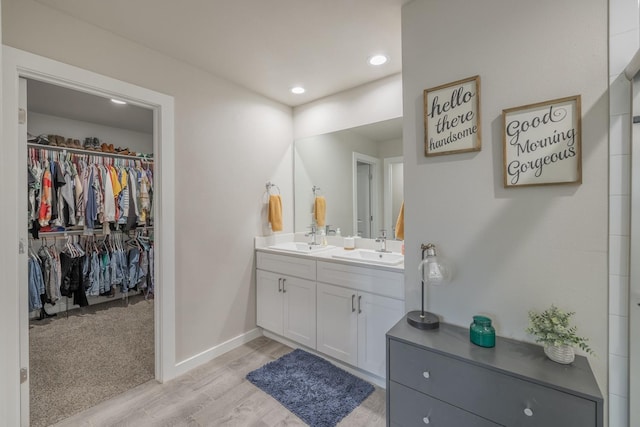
x=96 y=233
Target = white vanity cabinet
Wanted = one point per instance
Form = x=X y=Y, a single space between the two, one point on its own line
x=356 y=307
x=286 y=296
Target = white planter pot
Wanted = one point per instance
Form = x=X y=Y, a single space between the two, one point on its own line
x=562 y=354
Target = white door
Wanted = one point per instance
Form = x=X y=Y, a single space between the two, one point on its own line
x=299 y=323
x=269 y=301
x=376 y=315
x=338 y=322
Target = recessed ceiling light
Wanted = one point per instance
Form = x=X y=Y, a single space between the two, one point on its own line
x=297 y=90
x=378 y=59
x=118 y=101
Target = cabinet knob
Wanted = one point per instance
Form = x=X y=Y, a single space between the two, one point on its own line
x=426 y=374
x=425 y=420
x=528 y=412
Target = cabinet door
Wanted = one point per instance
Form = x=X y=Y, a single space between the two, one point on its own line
x=338 y=322
x=299 y=310
x=269 y=301
x=376 y=315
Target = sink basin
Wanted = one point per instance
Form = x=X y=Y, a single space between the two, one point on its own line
x=373 y=257
x=301 y=247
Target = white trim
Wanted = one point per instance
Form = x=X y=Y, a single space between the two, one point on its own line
x=13 y=311
x=387 y=197
x=215 y=351
x=380 y=382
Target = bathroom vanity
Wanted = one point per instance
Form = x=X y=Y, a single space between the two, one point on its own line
x=337 y=307
x=438 y=377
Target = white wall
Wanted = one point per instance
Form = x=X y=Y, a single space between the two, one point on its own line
x=227 y=138
x=521 y=248
x=370 y=103
x=140 y=142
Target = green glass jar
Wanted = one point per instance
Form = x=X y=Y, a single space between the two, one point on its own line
x=481 y=332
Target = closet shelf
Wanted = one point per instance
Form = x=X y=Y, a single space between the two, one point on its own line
x=88 y=152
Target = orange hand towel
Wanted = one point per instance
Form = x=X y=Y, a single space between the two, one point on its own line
x=320 y=210
x=400 y=224
x=275 y=212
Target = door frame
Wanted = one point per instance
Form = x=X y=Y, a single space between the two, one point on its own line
x=375 y=199
x=13 y=176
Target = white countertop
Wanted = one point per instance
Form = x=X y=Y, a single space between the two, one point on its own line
x=263 y=244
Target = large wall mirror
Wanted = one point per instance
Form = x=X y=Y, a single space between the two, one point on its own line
x=359 y=173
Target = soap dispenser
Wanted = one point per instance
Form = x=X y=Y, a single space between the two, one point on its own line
x=323 y=237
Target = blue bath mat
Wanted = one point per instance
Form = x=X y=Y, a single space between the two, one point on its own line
x=318 y=392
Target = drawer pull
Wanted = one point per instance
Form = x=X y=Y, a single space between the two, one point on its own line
x=426 y=374
x=425 y=420
x=280 y=284
x=283 y=288
x=528 y=412
x=353 y=304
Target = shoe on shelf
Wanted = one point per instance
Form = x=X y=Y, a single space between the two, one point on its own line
x=96 y=144
x=40 y=139
x=77 y=144
x=53 y=140
x=88 y=144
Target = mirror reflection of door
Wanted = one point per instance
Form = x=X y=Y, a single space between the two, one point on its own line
x=366 y=206
x=364 y=199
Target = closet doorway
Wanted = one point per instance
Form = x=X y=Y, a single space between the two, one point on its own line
x=17 y=65
x=90 y=271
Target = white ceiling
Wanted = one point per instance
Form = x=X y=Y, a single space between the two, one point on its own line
x=267 y=46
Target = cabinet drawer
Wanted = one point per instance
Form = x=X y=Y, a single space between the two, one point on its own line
x=487 y=393
x=409 y=408
x=289 y=265
x=381 y=282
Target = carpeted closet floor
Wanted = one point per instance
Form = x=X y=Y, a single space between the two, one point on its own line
x=96 y=353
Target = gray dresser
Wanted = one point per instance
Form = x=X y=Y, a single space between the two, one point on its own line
x=440 y=379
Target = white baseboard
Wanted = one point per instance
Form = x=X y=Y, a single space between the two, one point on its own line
x=208 y=355
x=380 y=382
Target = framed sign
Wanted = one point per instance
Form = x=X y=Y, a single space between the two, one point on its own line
x=452 y=118
x=542 y=143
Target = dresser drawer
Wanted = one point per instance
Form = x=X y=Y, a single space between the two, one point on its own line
x=544 y=406
x=409 y=408
x=459 y=383
x=289 y=265
x=499 y=397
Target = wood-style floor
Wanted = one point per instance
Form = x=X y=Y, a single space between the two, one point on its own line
x=215 y=394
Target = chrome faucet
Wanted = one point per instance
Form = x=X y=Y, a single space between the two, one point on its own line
x=330 y=231
x=313 y=233
x=382 y=239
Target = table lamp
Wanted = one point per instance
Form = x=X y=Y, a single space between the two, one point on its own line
x=433 y=271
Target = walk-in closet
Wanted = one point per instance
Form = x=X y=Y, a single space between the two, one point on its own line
x=90 y=218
